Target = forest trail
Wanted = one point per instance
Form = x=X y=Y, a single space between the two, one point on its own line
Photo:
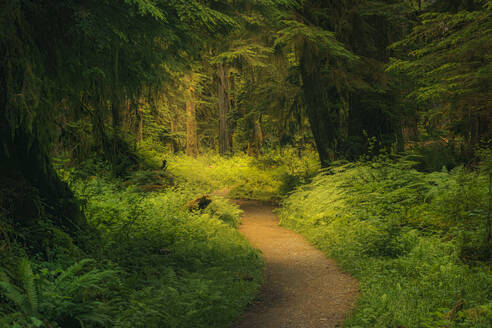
x=303 y=288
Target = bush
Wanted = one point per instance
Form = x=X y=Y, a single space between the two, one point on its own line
x=415 y=240
x=183 y=267
x=433 y=156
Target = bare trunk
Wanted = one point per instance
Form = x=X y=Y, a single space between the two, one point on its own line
x=98 y=129
x=140 y=124
x=410 y=129
x=224 y=135
x=488 y=240
x=191 y=124
x=259 y=134
x=255 y=142
x=173 y=145
x=116 y=115
x=322 y=116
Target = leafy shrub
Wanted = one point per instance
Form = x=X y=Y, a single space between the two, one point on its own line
x=155 y=177
x=433 y=156
x=225 y=211
x=409 y=237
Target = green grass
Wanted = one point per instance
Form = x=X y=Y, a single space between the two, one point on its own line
x=416 y=241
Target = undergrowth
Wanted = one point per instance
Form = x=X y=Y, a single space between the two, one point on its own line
x=268 y=177
x=151 y=261
x=416 y=241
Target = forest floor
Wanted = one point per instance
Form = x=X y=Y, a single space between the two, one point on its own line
x=302 y=287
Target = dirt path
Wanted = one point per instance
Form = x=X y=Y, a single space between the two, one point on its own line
x=303 y=289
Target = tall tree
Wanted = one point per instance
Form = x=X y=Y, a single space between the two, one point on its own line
x=447 y=57
x=224 y=109
x=341 y=54
x=191 y=122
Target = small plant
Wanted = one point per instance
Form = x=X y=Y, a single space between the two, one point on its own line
x=62 y=298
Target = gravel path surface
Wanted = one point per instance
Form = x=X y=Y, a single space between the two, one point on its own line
x=303 y=288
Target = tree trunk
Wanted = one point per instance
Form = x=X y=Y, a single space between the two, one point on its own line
x=173 y=145
x=140 y=123
x=322 y=120
x=224 y=134
x=100 y=138
x=259 y=134
x=191 y=124
x=254 y=144
x=116 y=115
x=31 y=187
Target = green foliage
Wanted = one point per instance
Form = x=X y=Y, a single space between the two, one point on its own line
x=295 y=32
x=433 y=156
x=225 y=211
x=447 y=57
x=340 y=54
x=267 y=177
x=158 y=263
x=73 y=297
x=416 y=241
x=104 y=85
x=181 y=268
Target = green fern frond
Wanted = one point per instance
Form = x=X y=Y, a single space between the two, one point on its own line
x=89 y=280
x=12 y=293
x=27 y=279
x=71 y=272
x=94 y=317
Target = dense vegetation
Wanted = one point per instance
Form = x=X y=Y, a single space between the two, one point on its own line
x=152 y=262
x=417 y=241
x=368 y=120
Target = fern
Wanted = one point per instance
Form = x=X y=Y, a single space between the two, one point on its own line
x=27 y=278
x=71 y=272
x=70 y=295
x=25 y=298
x=385 y=223
x=11 y=292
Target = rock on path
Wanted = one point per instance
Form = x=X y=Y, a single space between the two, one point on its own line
x=303 y=288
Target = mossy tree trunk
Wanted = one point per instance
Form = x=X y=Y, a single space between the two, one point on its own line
x=322 y=118
x=30 y=185
x=30 y=189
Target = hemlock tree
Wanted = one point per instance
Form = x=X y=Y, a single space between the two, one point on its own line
x=241 y=49
x=341 y=54
x=448 y=58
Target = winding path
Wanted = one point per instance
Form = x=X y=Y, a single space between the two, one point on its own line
x=303 y=289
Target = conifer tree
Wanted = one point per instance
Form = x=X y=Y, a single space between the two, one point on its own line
x=447 y=57
x=341 y=53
